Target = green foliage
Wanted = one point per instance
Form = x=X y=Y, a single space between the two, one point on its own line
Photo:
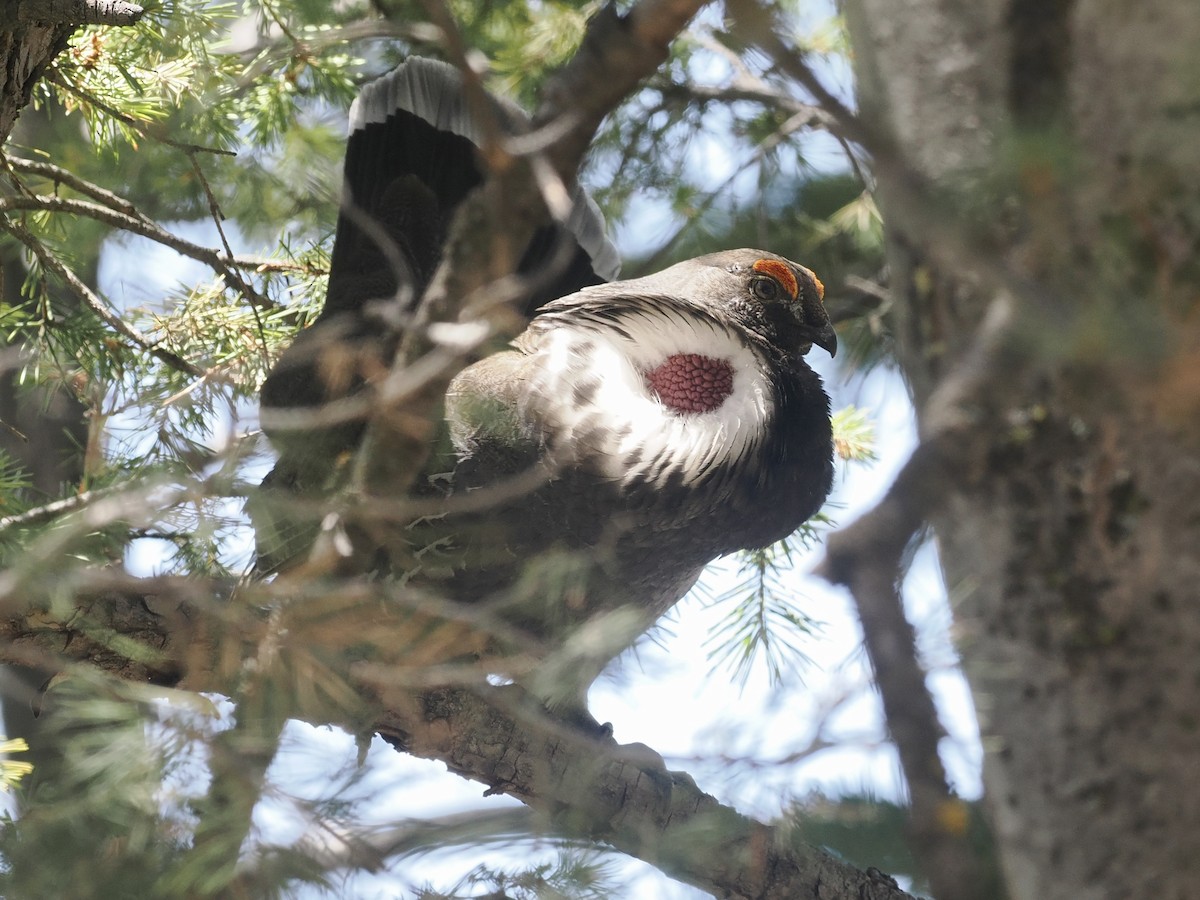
x=177 y=79
x=123 y=80
x=867 y=831
x=149 y=96
x=13 y=770
x=13 y=481
x=854 y=435
x=765 y=620
x=529 y=45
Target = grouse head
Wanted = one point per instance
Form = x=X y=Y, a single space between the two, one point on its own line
x=774 y=300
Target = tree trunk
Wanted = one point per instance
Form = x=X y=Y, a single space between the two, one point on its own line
x=26 y=48
x=1065 y=133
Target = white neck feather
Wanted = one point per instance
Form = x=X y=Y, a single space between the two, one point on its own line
x=609 y=367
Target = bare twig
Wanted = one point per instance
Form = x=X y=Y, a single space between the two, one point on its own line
x=269 y=9
x=792 y=125
x=102 y=509
x=478 y=102
x=753 y=91
x=915 y=209
x=60 y=175
x=269 y=51
x=50 y=511
x=214 y=208
x=368 y=848
x=245 y=287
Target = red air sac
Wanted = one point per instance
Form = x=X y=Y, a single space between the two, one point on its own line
x=689 y=382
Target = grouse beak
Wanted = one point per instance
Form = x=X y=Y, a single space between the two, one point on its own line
x=826 y=339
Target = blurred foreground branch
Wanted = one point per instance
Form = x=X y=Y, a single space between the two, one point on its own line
x=866 y=557
x=497 y=221
x=164 y=631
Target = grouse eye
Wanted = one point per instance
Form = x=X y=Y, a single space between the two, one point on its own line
x=765 y=289
x=772 y=278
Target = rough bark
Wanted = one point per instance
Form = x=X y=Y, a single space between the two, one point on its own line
x=1061 y=136
x=625 y=797
x=1070 y=534
x=26 y=48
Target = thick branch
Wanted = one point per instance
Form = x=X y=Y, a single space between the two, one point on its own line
x=149 y=630
x=747 y=89
x=33 y=32
x=867 y=556
x=870 y=570
x=497 y=221
x=616 y=54
x=917 y=208
x=622 y=795
x=26 y=48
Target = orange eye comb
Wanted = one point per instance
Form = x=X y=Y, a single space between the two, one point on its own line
x=781 y=273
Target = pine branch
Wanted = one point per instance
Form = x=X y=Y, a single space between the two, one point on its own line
x=617 y=52
x=59 y=175
x=50 y=511
x=135 y=223
x=87 y=97
x=587 y=787
x=622 y=794
x=90 y=299
x=256 y=299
